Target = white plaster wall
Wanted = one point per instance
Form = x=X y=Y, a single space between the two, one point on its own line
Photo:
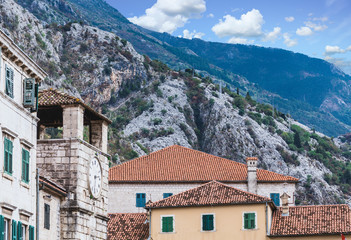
x=122 y=197
x=54 y=231
x=24 y=126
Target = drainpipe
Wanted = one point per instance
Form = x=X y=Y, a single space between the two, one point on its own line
x=37 y=208
x=267 y=220
x=149 y=211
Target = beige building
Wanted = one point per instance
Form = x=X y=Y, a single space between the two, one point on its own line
x=176 y=169
x=79 y=164
x=220 y=212
x=19 y=79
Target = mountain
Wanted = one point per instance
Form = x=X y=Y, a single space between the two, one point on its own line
x=152 y=106
x=314 y=91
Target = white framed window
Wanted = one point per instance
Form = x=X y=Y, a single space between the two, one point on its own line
x=24 y=231
x=249 y=220
x=167 y=224
x=6 y=229
x=208 y=222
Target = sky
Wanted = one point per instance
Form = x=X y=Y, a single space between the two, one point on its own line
x=317 y=28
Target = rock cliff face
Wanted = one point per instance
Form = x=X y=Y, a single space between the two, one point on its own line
x=153 y=107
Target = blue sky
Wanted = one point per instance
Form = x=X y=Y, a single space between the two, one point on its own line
x=317 y=28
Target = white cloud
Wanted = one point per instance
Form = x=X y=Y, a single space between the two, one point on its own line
x=342 y=63
x=316 y=27
x=272 y=36
x=330 y=50
x=304 y=31
x=235 y=40
x=321 y=19
x=211 y=15
x=167 y=16
x=289 y=19
x=288 y=41
x=190 y=35
x=249 y=25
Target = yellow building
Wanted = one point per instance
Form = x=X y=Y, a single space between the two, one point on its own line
x=215 y=211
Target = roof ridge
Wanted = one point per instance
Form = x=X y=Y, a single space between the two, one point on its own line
x=327 y=205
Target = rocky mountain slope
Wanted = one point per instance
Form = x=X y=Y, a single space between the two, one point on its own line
x=152 y=106
x=312 y=90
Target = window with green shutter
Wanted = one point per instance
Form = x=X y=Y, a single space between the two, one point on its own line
x=29 y=88
x=249 y=220
x=167 y=224
x=31 y=233
x=2 y=227
x=19 y=231
x=275 y=198
x=8 y=149
x=207 y=222
x=25 y=165
x=46 y=216
x=9 y=81
x=14 y=230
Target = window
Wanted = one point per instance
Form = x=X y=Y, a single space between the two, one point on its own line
x=25 y=165
x=31 y=233
x=14 y=230
x=140 y=199
x=249 y=220
x=9 y=81
x=46 y=216
x=24 y=235
x=8 y=147
x=275 y=198
x=166 y=195
x=167 y=224
x=4 y=231
x=207 y=222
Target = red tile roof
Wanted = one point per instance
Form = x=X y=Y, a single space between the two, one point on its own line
x=209 y=194
x=127 y=226
x=51 y=184
x=52 y=97
x=181 y=164
x=312 y=220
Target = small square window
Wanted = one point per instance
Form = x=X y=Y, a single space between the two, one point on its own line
x=166 y=195
x=167 y=224
x=207 y=222
x=249 y=220
x=140 y=199
x=275 y=198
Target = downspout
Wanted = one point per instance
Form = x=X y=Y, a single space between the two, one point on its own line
x=149 y=211
x=37 y=208
x=267 y=220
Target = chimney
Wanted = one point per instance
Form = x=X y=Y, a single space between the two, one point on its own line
x=252 y=174
x=285 y=204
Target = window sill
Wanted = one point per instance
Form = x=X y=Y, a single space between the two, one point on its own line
x=25 y=185
x=207 y=231
x=7 y=176
x=167 y=232
x=252 y=229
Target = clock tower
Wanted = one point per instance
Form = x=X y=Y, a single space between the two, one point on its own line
x=72 y=148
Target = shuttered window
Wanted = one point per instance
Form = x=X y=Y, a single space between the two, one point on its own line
x=46 y=216
x=19 y=231
x=166 y=195
x=167 y=224
x=275 y=198
x=14 y=230
x=31 y=233
x=8 y=148
x=9 y=81
x=140 y=199
x=2 y=227
x=29 y=92
x=25 y=165
x=249 y=220
x=207 y=222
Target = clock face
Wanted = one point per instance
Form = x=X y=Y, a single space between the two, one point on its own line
x=95 y=177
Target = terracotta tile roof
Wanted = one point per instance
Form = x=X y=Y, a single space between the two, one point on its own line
x=127 y=226
x=53 y=97
x=46 y=181
x=181 y=164
x=209 y=194
x=312 y=220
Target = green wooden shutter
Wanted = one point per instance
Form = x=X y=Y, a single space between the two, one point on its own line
x=8 y=148
x=249 y=220
x=29 y=92
x=31 y=233
x=9 y=81
x=19 y=231
x=207 y=222
x=14 y=230
x=252 y=220
x=167 y=224
x=25 y=165
x=246 y=221
x=2 y=226
x=46 y=216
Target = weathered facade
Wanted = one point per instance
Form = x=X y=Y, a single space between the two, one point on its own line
x=19 y=79
x=81 y=167
x=176 y=169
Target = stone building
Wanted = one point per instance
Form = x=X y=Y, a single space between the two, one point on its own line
x=19 y=80
x=176 y=169
x=78 y=161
